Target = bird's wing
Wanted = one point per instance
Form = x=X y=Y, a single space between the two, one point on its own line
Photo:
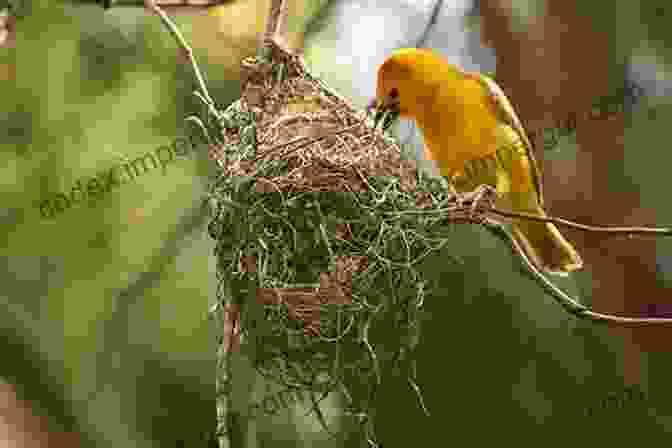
x=506 y=114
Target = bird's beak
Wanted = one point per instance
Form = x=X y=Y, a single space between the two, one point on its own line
x=387 y=111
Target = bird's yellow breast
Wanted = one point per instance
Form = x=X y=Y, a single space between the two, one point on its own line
x=459 y=126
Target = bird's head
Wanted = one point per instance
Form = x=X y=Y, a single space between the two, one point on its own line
x=407 y=82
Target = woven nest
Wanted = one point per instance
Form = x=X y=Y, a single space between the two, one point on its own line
x=323 y=222
x=327 y=146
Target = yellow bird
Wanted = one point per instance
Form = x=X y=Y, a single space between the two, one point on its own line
x=471 y=130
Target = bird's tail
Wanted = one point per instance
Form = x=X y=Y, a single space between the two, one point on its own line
x=545 y=246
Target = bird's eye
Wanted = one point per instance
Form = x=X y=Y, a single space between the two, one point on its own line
x=394 y=93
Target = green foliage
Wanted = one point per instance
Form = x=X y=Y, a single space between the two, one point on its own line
x=103 y=309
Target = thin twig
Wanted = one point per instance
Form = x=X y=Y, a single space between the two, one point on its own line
x=182 y=43
x=485 y=209
x=277 y=18
x=422 y=40
x=571 y=305
x=419 y=43
x=654 y=231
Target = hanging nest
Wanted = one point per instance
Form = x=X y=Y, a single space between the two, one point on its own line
x=322 y=224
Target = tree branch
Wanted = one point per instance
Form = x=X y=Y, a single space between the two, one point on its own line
x=276 y=24
x=422 y=40
x=152 y=6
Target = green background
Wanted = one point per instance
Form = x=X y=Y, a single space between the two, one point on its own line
x=103 y=309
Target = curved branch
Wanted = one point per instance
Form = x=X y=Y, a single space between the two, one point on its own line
x=571 y=305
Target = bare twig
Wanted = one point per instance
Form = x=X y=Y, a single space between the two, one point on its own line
x=422 y=40
x=571 y=305
x=628 y=231
x=419 y=43
x=182 y=43
x=277 y=19
x=484 y=209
